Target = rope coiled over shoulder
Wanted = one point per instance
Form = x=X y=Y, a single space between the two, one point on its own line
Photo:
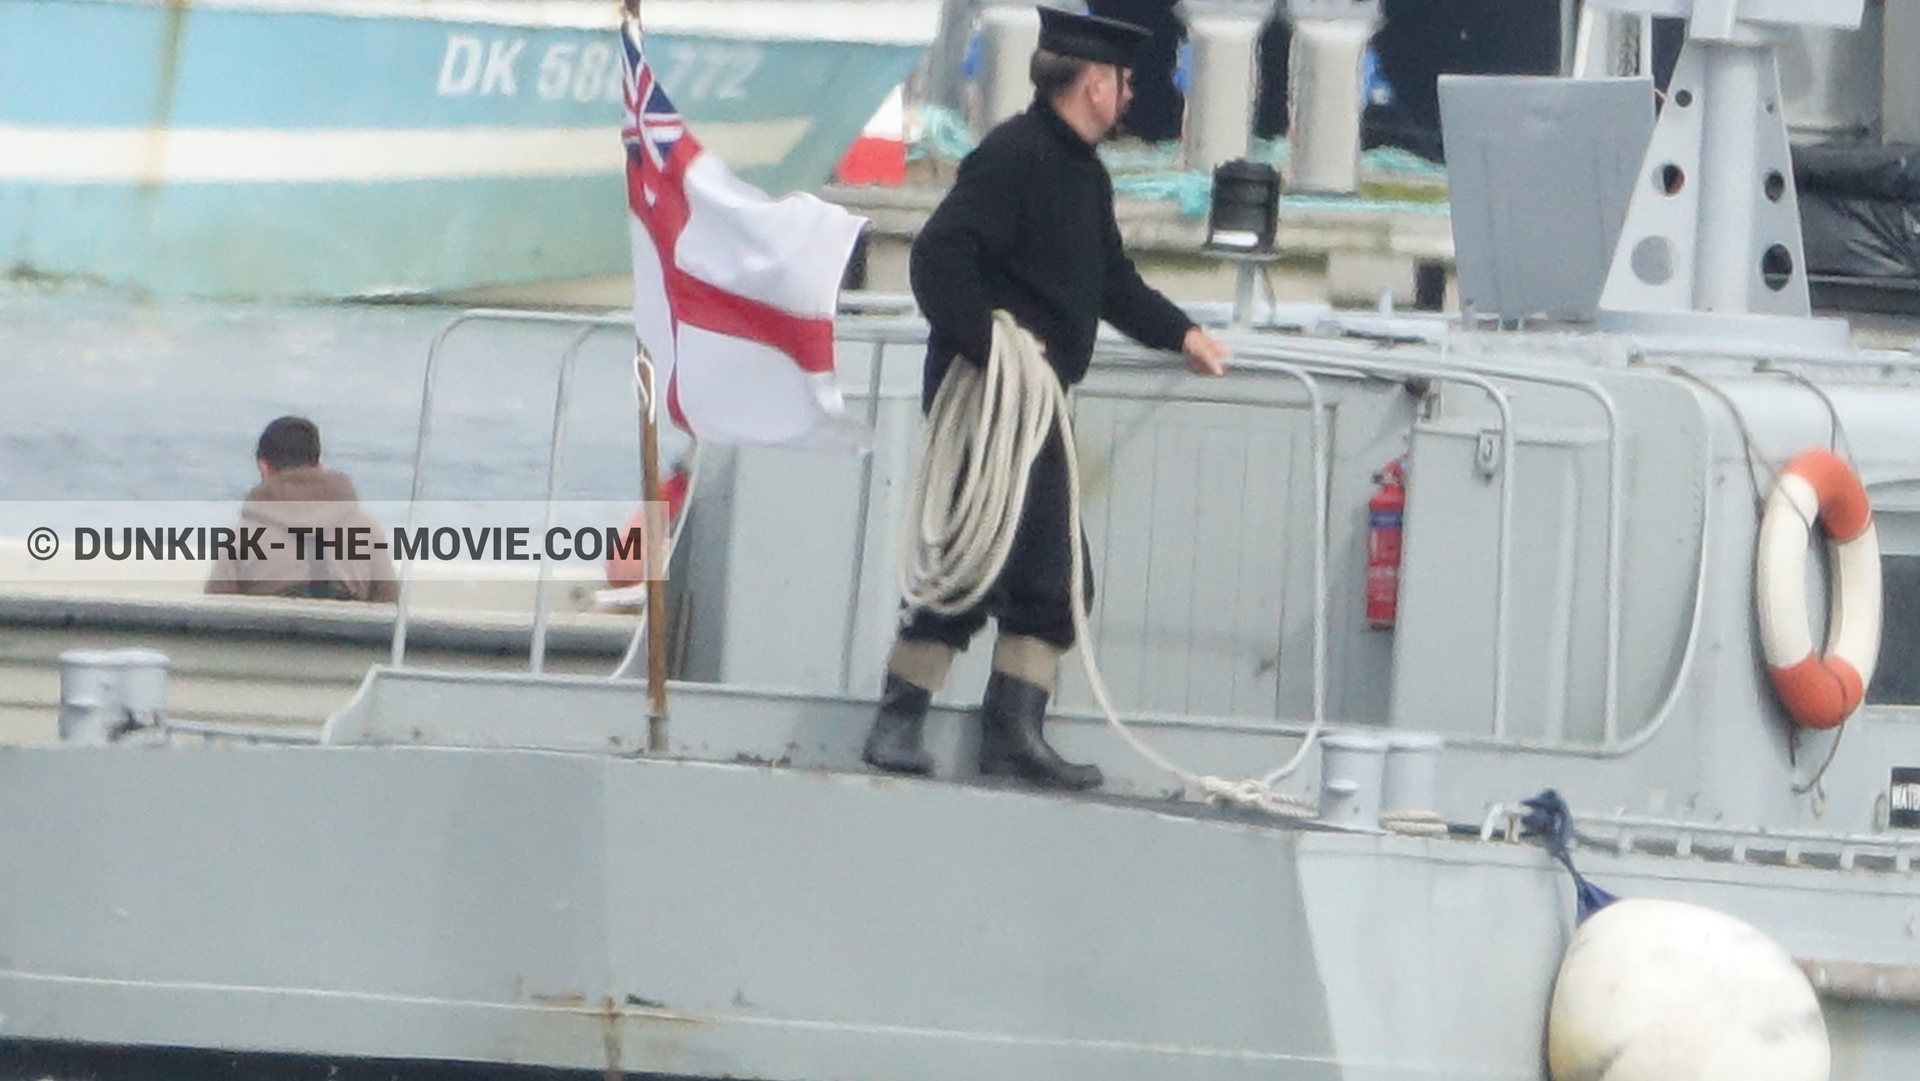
x=982 y=435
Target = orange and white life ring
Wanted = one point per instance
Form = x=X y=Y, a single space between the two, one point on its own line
x=1819 y=690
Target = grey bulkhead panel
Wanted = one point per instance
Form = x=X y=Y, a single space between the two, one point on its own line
x=1720 y=748
x=779 y=569
x=1557 y=611
x=1201 y=518
x=1875 y=409
x=1191 y=507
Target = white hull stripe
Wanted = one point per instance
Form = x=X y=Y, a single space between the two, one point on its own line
x=878 y=22
x=197 y=156
x=1786 y=636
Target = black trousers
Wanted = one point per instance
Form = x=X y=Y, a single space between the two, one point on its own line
x=1032 y=596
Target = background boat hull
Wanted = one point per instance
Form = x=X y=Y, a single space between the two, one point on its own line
x=220 y=151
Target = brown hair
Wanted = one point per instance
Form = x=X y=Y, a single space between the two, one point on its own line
x=1053 y=74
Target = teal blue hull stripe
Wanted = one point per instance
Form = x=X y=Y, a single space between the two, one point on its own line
x=73 y=67
x=318 y=240
x=87 y=64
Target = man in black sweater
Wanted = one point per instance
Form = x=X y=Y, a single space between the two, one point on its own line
x=1029 y=228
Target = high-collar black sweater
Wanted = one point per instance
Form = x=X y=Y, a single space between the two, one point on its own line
x=1028 y=226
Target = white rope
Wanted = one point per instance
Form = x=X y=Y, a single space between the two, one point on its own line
x=953 y=549
x=982 y=435
x=643 y=400
x=1415 y=823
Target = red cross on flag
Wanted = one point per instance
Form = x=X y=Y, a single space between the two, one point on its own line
x=734 y=292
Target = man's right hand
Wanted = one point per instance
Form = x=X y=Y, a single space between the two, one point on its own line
x=1206 y=354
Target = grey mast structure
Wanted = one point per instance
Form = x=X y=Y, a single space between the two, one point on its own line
x=1712 y=245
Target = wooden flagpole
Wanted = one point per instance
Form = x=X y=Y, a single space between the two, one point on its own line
x=657 y=529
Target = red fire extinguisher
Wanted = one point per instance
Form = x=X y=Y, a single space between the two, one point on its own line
x=1385 y=513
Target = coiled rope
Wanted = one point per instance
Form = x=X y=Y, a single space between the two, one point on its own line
x=986 y=428
x=982 y=436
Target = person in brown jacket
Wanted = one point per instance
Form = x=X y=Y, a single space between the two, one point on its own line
x=304 y=513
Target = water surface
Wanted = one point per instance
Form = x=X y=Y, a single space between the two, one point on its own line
x=103 y=396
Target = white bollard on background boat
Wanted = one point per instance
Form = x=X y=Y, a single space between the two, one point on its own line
x=106 y=694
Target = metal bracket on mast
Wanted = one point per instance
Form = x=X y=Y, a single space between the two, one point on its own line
x=1712 y=242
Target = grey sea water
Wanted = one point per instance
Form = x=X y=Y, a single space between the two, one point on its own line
x=109 y=397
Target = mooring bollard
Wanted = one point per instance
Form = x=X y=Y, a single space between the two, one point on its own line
x=1352 y=771
x=1409 y=800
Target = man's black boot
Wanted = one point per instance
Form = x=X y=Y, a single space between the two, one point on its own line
x=894 y=743
x=1012 y=743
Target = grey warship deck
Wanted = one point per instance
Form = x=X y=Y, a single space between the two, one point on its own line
x=531 y=898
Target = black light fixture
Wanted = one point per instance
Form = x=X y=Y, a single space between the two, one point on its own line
x=1246 y=207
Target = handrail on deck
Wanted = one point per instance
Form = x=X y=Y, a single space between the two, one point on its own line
x=588 y=325
x=1335 y=356
x=1298 y=360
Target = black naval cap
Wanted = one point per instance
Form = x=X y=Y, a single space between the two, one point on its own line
x=1090 y=37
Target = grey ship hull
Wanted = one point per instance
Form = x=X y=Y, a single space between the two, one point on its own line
x=542 y=903
x=482 y=868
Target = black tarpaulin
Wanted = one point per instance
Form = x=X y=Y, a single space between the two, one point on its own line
x=1860 y=210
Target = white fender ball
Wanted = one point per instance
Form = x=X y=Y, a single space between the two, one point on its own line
x=1666 y=991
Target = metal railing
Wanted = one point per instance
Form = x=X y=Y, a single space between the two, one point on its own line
x=586 y=327
x=1335 y=356
x=1304 y=361
x=1624 y=833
